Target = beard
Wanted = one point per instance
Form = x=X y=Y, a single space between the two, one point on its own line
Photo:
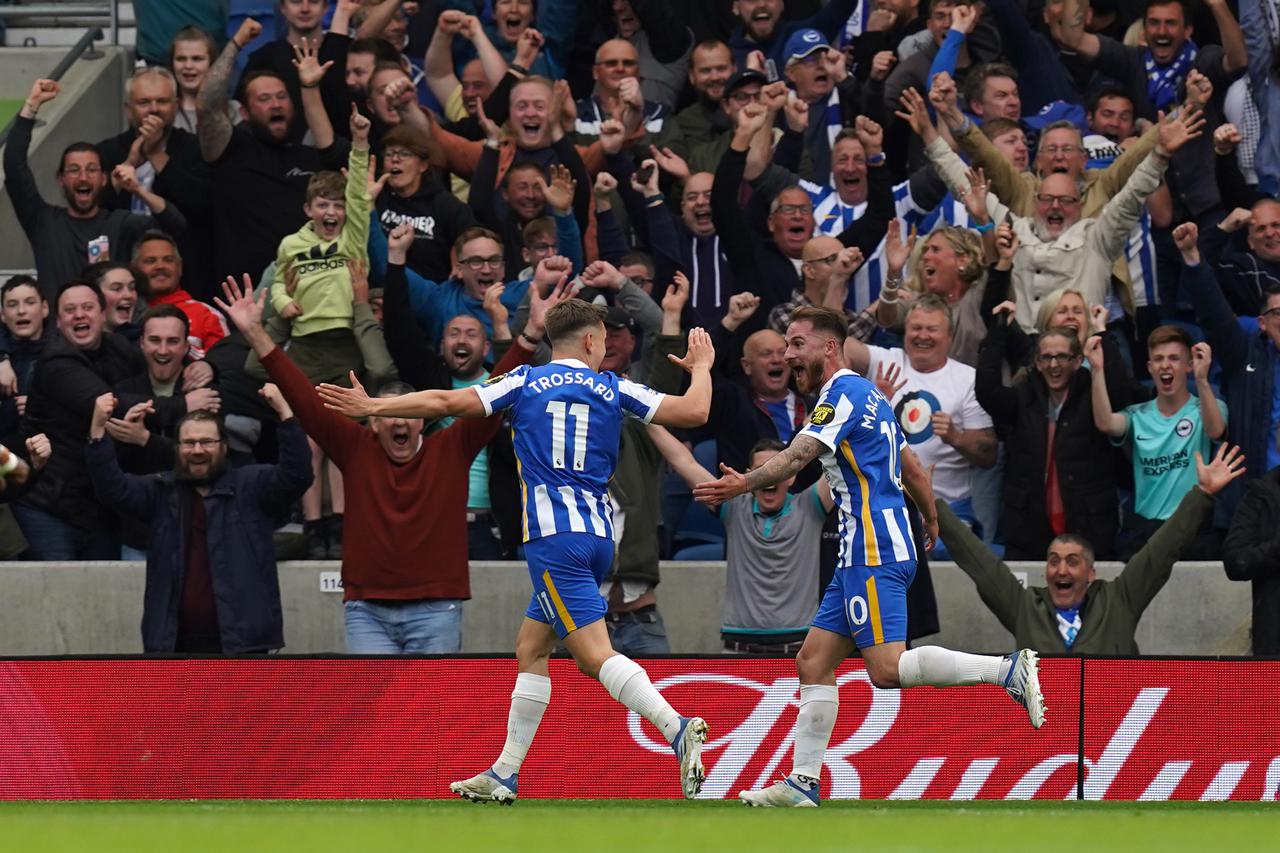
x=183 y=474
x=808 y=378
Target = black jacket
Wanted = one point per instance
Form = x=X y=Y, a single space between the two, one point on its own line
x=184 y=181
x=278 y=56
x=242 y=507
x=60 y=404
x=1087 y=463
x=1252 y=553
x=23 y=356
x=437 y=218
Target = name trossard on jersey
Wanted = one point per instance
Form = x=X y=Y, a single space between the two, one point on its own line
x=864 y=469
x=566 y=421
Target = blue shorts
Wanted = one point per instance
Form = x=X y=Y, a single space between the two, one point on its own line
x=867 y=604
x=566 y=570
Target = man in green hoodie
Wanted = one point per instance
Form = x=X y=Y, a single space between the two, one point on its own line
x=1075 y=611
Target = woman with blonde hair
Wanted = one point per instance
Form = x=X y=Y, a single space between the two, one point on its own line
x=1064 y=308
x=949 y=264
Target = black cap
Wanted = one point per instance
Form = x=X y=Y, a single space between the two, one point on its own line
x=618 y=318
x=742 y=78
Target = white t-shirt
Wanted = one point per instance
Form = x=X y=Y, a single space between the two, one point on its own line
x=949 y=389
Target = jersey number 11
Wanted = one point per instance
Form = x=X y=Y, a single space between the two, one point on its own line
x=581 y=413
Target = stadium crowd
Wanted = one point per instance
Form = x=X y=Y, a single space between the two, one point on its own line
x=1052 y=230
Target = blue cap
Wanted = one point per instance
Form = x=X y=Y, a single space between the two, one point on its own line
x=1057 y=111
x=804 y=42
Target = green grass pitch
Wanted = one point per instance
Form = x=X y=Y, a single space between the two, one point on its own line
x=570 y=826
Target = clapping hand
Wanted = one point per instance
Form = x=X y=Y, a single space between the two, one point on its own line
x=700 y=355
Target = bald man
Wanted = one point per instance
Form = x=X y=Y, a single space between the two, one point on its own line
x=745 y=407
x=617 y=95
x=825 y=268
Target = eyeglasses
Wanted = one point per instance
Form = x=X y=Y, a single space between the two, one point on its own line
x=742 y=98
x=1053 y=150
x=618 y=63
x=397 y=154
x=541 y=247
x=1059 y=200
x=478 y=263
x=793 y=208
x=1050 y=358
x=829 y=259
x=88 y=170
x=1271 y=313
x=193 y=443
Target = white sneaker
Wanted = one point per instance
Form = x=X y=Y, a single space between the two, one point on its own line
x=488 y=787
x=782 y=794
x=1023 y=684
x=688 y=748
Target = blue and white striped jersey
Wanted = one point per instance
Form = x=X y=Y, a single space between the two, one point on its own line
x=864 y=469
x=831 y=216
x=565 y=424
x=1139 y=248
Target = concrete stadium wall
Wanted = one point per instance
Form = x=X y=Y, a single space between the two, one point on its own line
x=96 y=608
x=87 y=109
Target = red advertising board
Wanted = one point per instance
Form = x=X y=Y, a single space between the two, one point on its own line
x=404 y=728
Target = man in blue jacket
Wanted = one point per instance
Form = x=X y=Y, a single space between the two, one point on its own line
x=211 y=571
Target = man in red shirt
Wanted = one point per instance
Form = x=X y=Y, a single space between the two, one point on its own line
x=156 y=257
x=404 y=556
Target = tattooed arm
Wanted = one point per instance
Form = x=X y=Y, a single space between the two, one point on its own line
x=214 y=124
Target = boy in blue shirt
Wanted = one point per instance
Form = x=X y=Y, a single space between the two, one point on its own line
x=1162 y=435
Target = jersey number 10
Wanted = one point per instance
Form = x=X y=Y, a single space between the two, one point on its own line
x=581 y=413
x=895 y=469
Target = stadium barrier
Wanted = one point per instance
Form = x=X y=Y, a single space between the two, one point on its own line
x=92 y=608
x=1117 y=729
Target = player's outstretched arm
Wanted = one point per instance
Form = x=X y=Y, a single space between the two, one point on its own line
x=680 y=458
x=354 y=402
x=802 y=450
x=919 y=486
x=691 y=408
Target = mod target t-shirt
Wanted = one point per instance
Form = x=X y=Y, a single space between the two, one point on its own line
x=949 y=389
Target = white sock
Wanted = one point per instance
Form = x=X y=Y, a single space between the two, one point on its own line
x=939 y=667
x=818 y=706
x=627 y=682
x=529 y=699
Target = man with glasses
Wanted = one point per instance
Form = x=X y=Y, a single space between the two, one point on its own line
x=826 y=264
x=65 y=238
x=480 y=266
x=1059 y=245
x=1061 y=151
x=770 y=268
x=415 y=194
x=617 y=95
x=212 y=585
